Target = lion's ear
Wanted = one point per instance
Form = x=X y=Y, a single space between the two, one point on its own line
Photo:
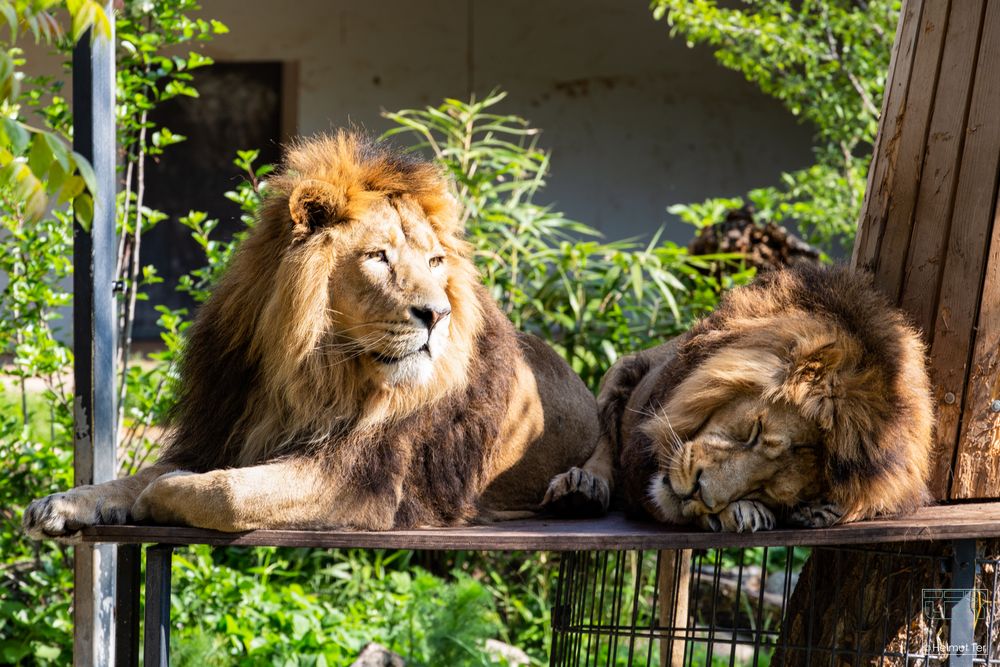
x=314 y=204
x=817 y=364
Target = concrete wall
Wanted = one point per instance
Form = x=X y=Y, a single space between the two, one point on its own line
x=635 y=120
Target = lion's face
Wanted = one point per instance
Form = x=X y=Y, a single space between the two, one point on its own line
x=749 y=448
x=389 y=296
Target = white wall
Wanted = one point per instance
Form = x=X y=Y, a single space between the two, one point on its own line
x=636 y=121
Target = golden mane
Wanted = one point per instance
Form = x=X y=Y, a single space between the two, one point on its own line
x=824 y=343
x=260 y=373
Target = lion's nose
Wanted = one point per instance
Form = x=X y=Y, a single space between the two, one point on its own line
x=430 y=315
x=696 y=492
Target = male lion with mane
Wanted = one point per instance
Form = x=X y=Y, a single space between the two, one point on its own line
x=350 y=371
x=804 y=394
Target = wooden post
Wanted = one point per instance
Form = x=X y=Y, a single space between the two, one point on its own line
x=94 y=444
x=675 y=579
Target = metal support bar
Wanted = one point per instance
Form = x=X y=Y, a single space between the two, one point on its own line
x=962 y=610
x=156 y=643
x=127 y=620
x=94 y=455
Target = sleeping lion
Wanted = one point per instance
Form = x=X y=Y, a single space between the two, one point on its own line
x=350 y=371
x=804 y=397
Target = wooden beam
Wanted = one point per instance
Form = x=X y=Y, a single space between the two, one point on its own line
x=977 y=465
x=614 y=532
x=939 y=176
x=912 y=130
x=878 y=193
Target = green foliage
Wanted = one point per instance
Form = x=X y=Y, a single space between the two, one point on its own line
x=826 y=61
x=591 y=300
x=37 y=167
x=307 y=607
x=46 y=182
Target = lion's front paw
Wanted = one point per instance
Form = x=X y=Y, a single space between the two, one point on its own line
x=821 y=514
x=64 y=514
x=163 y=500
x=742 y=516
x=577 y=493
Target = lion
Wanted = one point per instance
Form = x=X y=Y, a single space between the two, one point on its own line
x=349 y=371
x=803 y=397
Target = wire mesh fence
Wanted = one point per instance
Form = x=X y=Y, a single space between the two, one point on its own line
x=886 y=605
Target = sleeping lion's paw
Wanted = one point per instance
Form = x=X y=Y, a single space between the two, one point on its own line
x=577 y=492
x=820 y=514
x=64 y=514
x=742 y=516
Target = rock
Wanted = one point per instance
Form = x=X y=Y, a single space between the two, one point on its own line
x=376 y=655
x=498 y=650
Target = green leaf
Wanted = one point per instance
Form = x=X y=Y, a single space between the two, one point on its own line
x=86 y=172
x=83 y=209
x=40 y=156
x=10 y=16
x=15 y=137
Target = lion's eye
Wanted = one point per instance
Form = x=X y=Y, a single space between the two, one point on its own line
x=435 y=261
x=754 y=438
x=378 y=255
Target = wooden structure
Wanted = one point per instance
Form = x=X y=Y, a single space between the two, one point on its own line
x=612 y=532
x=929 y=229
x=929 y=233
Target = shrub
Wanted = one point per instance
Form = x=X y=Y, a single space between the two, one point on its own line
x=826 y=62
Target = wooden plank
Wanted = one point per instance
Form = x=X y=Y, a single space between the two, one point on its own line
x=878 y=193
x=977 y=467
x=936 y=194
x=909 y=158
x=961 y=283
x=946 y=136
x=943 y=522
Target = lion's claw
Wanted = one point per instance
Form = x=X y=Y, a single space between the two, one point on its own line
x=817 y=515
x=742 y=516
x=65 y=514
x=577 y=492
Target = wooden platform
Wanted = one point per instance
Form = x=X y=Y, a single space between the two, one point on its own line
x=980 y=520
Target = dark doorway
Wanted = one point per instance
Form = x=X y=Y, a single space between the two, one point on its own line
x=240 y=107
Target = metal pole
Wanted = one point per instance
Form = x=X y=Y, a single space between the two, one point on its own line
x=962 y=626
x=156 y=641
x=94 y=455
x=127 y=620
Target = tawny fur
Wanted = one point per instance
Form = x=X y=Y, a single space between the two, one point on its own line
x=834 y=374
x=304 y=400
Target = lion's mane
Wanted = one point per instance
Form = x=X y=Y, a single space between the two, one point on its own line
x=824 y=341
x=258 y=383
